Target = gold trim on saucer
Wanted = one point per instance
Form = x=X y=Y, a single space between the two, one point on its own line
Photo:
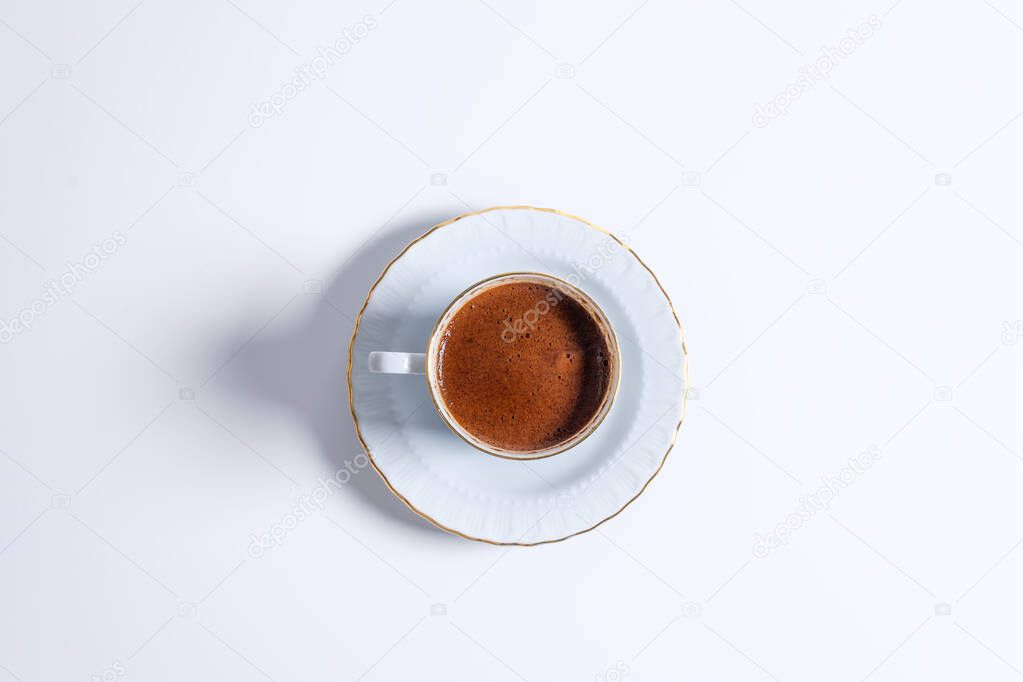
x=369 y=295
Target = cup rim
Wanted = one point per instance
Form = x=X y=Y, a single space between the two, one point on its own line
x=582 y=434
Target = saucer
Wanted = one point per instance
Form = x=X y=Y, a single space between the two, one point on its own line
x=478 y=496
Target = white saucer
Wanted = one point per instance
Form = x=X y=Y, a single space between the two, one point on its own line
x=486 y=498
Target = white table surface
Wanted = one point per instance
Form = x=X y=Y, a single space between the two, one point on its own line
x=849 y=277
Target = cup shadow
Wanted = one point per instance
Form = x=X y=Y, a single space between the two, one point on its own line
x=303 y=369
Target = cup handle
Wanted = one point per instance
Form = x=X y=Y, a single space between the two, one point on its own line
x=389 y=362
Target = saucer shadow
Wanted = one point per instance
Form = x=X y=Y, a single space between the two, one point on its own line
x=303 y=369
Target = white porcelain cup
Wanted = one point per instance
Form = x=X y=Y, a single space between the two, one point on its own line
x=390 y=362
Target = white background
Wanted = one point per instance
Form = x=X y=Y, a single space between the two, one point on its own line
x=835 y=297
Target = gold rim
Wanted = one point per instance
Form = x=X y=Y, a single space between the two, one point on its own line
x=355 y=332
x=606 y=403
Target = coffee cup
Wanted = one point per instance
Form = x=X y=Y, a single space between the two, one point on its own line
x=520 y=365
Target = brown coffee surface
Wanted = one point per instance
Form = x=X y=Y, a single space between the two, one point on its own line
x=522 y=366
